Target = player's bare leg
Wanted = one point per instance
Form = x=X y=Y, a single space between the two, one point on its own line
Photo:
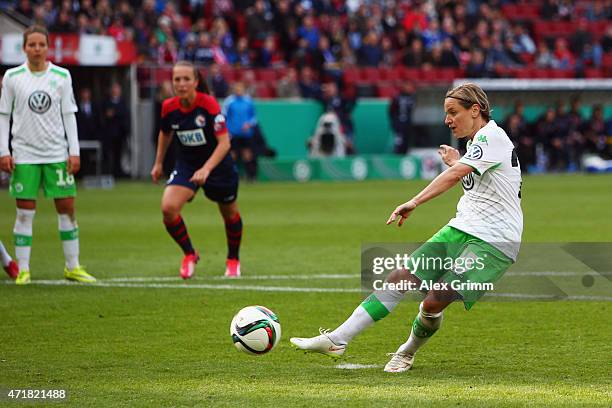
x=173 y=200
x=26 y=209
x=233 y=232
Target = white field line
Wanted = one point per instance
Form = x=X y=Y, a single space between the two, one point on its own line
x=328 y=276
x=556 y=273
x=255 y=288
x=351 y=366
x=251 y=277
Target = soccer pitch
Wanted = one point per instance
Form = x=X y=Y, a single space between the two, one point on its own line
x=143 y=337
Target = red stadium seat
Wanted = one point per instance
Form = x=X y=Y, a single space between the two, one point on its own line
x=593 y=73
x=538 y=73
x=187 y=23
x=559 y=73
x=521 y=11
x=386 y=90
x=241 y=74
x=391 y=74
x=162 y=74
x=446 y=74
x=264 y=91
x=437 y=75
x=410 y=74
x=370 y=74
x=280 y=72
x=553 y=29
x=241 y=25
x=229 y=73
x=527 y=57
x=350 y=75
x=506 y=72
x=265 y=75
x=459 y=73
x=598 y=29
x=607 y=60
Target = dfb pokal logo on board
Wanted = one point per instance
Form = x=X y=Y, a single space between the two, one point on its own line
x=39 y=102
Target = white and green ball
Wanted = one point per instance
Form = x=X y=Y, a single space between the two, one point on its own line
x=255 y=330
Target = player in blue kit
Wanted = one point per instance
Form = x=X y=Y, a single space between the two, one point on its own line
x=202 y=160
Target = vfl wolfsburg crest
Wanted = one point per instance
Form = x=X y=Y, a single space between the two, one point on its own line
x=39 y=102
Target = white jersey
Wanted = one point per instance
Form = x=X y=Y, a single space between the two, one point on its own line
x=490 y=208
x=37 y=101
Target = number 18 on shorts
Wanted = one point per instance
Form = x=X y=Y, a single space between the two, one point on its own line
x=27 y=179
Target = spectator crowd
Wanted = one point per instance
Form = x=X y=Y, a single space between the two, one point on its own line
x=560 y=137
x=482 y=38
x=315 y=44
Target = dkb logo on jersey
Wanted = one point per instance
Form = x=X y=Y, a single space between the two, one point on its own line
x=191 y=137
x=39 y=102
x=468 y=182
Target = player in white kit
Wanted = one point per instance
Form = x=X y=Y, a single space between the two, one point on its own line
x=45 y=149
x=482 y=241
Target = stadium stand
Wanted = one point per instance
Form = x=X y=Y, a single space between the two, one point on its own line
x=366 y=47
x=333 y=37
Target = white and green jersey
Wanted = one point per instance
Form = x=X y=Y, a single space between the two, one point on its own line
x=490 y=208
x=37 y=101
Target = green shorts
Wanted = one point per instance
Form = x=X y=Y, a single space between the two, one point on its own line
x=468 y=265
x=56 y=182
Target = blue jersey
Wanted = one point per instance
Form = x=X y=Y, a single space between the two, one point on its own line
x=196 y=129
x=239 y=110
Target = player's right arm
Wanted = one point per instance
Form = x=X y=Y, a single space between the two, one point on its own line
x=163 y=141
x=445 y=180
x=6 y=109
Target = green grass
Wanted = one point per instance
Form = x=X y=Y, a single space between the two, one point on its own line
x=150 y=347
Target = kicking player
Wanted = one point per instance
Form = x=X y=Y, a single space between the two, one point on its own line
x=9 y=265
x=38 y=95
x=202 y=161
x=487 y=227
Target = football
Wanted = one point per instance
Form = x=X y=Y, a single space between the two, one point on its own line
x=255 y=330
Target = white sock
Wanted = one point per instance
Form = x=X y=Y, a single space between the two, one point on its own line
x=376 y=306
x=424 y=326
x=69 y=234
x=23 y=237
x=355 y=324
x=6 y=258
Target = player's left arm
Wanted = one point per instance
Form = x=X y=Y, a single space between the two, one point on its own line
x=69 y=109
x=447 y=179
x=6 y=109
x=222 y=149
x=486 y=152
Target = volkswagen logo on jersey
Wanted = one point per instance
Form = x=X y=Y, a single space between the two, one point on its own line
x=39 y=102
x=468 y=182
x=474 y=152
x=200 y=121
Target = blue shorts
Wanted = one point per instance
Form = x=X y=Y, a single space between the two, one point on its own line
x=221 y=186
